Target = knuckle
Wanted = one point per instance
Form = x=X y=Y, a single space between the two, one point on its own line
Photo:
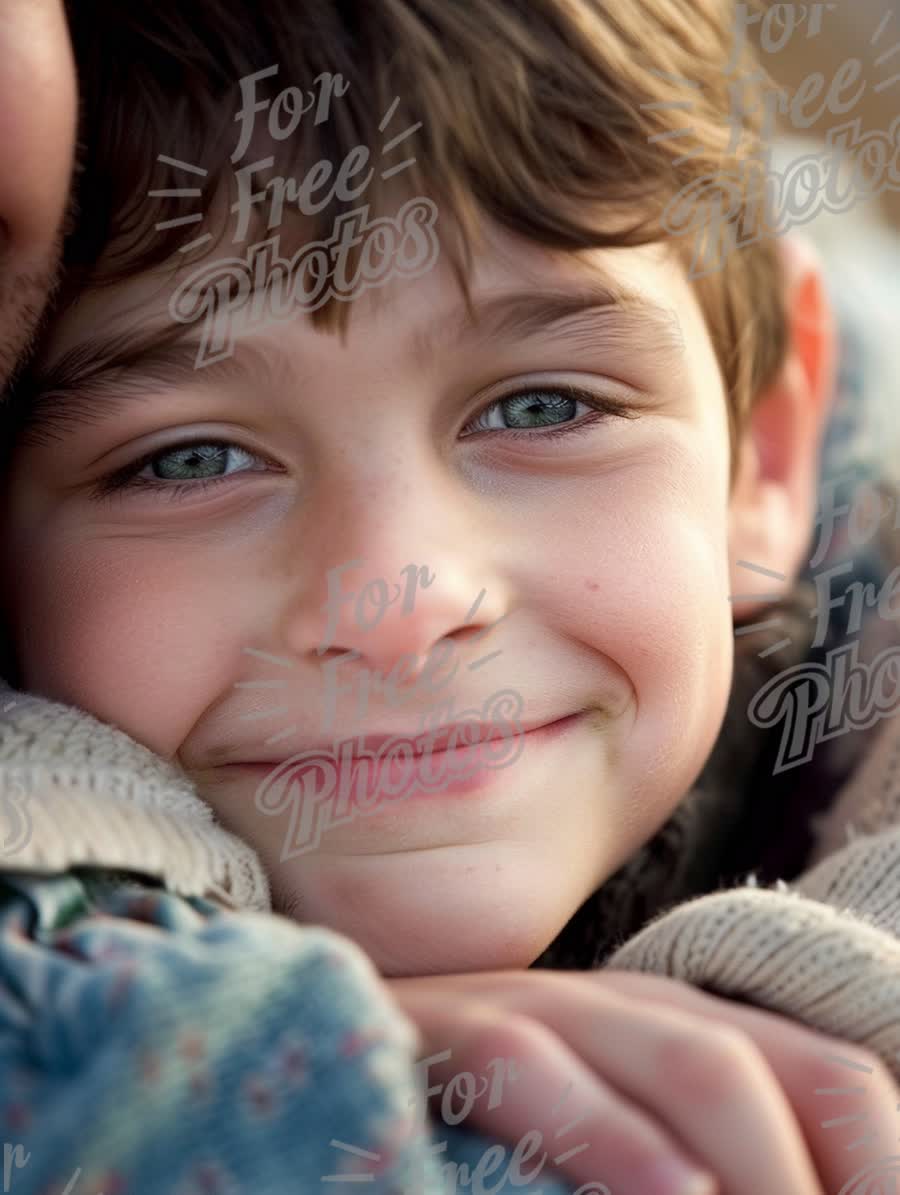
x=866 y=1058
x=881 y=1071
x=878 y=1078
x=520 y=1030
x=708 y=1060
x=636 y=1140
x=636 y=1152
x=494 y=1032
x=832 y=1057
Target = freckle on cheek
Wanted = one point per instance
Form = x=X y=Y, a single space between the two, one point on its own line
x=593 y=586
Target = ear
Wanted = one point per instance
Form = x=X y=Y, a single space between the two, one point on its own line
x=775 y=495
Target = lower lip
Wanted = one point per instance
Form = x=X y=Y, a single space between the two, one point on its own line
x=385 y=774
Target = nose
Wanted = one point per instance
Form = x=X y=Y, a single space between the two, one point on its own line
x=386 y=621
x=410 y=575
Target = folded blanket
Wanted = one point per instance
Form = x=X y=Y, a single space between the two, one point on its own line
x=216 y=1052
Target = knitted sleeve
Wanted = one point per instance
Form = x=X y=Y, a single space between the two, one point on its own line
x=76 y=791
x=824 y=950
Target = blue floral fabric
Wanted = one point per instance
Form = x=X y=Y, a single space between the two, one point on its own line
x=157 y=1045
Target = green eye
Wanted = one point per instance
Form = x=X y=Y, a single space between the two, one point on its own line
x=203 y=458
x=548 y=411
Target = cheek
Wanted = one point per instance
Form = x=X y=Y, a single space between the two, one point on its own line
x=641 y=579
x=130 y=632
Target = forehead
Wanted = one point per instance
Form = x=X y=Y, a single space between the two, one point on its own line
x=510 y=276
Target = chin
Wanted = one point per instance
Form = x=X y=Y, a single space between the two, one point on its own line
x=457 y=957
x=429 y=919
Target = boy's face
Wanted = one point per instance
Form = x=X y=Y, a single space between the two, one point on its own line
x=603 y=555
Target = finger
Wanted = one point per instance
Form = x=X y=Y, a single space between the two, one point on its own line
x=706 y=1084
x=543 y=1101
x=846 y=1102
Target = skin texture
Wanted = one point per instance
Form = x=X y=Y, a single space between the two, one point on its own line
x=36 y=151
x=139 y=614
x=609 y=556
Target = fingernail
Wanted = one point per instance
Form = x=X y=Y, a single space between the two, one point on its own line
x=674 y=1177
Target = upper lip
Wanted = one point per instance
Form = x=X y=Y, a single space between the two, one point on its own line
x=439 y=738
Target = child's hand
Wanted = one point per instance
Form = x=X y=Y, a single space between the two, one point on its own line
x=661 y=1070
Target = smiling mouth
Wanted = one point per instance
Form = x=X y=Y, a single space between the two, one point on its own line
x=434 y=742
x=328 y=790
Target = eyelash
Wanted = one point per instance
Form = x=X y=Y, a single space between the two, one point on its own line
x=126 y=479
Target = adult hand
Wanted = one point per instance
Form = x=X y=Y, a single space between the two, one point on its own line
x=37 y=136
x=664 y=1073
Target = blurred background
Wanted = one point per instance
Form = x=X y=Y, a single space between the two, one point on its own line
x=860 y=248
x=847 y=32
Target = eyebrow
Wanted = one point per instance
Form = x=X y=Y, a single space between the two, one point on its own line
x=590 y=312
x=95 y=378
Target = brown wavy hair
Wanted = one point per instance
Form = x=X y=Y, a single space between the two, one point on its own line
x=552 y=117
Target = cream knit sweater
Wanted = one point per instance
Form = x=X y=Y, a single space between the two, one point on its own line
x=824 y=951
